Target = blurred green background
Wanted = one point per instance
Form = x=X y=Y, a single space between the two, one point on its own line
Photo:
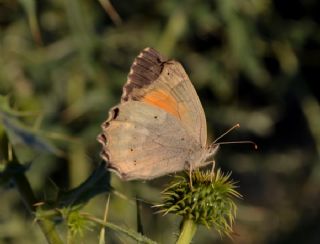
x=256 y=62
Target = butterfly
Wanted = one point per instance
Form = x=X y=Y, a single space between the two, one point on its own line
x=159 y=127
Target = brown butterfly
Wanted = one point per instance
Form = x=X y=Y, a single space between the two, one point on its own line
x=159 y=127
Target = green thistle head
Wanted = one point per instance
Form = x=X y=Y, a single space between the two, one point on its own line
x=208 y=202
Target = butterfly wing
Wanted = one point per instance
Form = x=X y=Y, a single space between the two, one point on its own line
x=165 y=84
x=159 y=127
x=144 y=142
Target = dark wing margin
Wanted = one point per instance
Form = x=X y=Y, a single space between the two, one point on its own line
x=102 y=138
x=145 y=69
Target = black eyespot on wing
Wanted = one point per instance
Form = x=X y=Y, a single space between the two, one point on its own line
x=115 y=113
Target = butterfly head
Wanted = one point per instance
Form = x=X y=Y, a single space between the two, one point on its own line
x=211 y=151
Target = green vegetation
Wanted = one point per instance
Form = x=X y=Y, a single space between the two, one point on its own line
x=63 y=64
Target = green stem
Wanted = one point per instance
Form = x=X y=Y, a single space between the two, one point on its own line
x=131 y=233
x=47 y=226
x=187 y=232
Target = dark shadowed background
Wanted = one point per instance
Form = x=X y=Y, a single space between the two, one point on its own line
x=63 y=64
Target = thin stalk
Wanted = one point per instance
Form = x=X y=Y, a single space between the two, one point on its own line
x=187 y=231
x=47 y=226
x=128 y=232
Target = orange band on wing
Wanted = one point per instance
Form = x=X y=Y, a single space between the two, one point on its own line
x=163 y=100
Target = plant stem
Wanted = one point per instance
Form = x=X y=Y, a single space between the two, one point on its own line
x=187 y=231
x=131 y=233
x=47 y=226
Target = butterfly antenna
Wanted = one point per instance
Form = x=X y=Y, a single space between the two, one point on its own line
x=233 y=142
x=231 y=129
x=238 y=142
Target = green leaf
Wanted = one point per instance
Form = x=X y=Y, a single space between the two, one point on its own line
x=98 y=182
x=21 y=135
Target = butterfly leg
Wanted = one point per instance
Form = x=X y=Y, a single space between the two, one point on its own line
x=190 y=176
x=212 y=169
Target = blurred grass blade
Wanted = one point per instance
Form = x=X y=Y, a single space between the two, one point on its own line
x=175 y=28
x=18 y=133
x=239 y=34
x=126 y=231
x=30 y=8
x=83 y=33
x=103 y=229
x=114 y=16
x=139 y=221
